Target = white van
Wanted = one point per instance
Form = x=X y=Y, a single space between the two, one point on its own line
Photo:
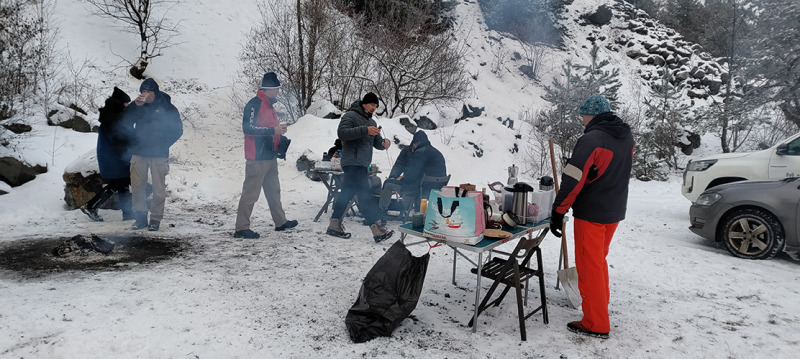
x=777 y=162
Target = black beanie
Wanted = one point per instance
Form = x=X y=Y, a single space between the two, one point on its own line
x=270 y=81
x=148 y=85
x=370 y=98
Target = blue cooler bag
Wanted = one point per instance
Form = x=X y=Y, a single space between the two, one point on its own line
x=455 y=215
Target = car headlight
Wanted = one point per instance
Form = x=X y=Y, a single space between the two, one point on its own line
x=700 y=165
x=707 y=199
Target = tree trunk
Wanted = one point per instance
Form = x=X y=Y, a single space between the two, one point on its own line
x=137 y=69
x=303 y=91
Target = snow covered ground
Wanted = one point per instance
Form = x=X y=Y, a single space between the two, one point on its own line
x=673 y=294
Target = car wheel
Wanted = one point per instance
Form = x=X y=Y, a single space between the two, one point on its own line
x=752 y=233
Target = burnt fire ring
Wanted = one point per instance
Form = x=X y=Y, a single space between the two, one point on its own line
x=85 y=252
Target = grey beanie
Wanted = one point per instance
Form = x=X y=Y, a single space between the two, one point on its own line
x=594 y=105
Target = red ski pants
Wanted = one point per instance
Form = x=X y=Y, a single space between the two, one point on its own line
x=591 y=248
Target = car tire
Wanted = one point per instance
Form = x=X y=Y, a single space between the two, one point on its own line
x=752 y=233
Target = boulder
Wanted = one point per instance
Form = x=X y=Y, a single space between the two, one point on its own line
x=466 y=112
x=634 y=54
x=426 y=123
x=16 y=173
x=410 y=127
x=601 y=16
x=18 y=127
x=528 y=71
x=79 y=189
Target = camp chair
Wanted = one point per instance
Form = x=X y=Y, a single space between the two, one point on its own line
x=512 y=273
x=428 y=183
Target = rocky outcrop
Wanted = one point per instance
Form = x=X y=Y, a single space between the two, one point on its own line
x=16 y=173
x=70 y=117
x=79 y=189
x=660 y=48
x=18 y=128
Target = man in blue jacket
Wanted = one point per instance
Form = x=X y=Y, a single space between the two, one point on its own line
x=359 y=134
x=155 y=125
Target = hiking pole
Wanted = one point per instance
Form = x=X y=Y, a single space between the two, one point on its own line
x=383 y=134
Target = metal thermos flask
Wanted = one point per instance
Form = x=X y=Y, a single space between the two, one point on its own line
x=520 y=201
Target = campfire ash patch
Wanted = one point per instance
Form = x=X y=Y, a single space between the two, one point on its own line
x=39 y=257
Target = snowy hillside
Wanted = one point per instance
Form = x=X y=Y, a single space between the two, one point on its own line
x=673 y=294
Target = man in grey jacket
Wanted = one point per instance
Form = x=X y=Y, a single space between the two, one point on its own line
x=359 y=134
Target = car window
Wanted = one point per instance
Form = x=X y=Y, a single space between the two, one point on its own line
x=793 y=147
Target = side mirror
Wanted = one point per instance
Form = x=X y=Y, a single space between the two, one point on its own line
x=782 y=149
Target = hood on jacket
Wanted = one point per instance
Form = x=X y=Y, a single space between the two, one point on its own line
x=356 y=106
x=120 y=95
x=609 y=123
x=421 y=138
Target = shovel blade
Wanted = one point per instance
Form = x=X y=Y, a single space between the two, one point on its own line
x=569 y=280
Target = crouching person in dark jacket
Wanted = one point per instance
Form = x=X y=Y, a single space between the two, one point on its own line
x=156 y=125
x=262 y=147
x=420 y=158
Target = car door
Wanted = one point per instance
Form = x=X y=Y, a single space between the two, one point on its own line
x=788 y=164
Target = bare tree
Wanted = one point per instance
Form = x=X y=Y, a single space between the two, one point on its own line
x=305 y=43
x=413 y=68
x=155 y=33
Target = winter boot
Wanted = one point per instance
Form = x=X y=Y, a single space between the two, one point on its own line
x=289 y=224
x=336 y=229
x=153 y=225
x=92 y=213
x=379 y=232
x=246 y=233
x=141 y=220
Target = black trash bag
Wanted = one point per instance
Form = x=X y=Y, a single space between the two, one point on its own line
x=389 y=293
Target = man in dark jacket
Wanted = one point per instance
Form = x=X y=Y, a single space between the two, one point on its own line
x=113 y=158
x=359 y=134
x=418 y=159
x=156 y=125
x=262 y=139
x=595 y=184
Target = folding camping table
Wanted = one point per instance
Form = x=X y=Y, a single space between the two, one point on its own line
x=485 y=245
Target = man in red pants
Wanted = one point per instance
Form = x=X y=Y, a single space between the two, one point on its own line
x=595 y=185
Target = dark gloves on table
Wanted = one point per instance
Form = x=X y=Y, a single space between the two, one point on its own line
x=556 y=223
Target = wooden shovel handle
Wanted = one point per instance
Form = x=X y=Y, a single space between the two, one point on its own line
x=563 y=225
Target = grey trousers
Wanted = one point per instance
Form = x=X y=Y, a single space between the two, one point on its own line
x=158 y=169
x=260 y=175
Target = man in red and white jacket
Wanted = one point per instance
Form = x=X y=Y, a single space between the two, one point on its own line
x=595 y=185
x=262 y=146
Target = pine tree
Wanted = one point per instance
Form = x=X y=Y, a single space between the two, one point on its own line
x=560 y=121
x=598 y=79
x=666 y=118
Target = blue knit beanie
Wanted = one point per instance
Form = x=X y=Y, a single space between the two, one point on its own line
x=594 y=105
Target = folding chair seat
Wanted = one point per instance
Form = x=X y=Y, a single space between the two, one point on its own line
x=428 y=183
x=512 y=273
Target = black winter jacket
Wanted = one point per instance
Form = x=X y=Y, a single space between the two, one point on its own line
x=357 y=144
x=157 y=126
x=595 y=180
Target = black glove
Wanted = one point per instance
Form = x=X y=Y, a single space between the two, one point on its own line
x=556 y=223
x=283 y=146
